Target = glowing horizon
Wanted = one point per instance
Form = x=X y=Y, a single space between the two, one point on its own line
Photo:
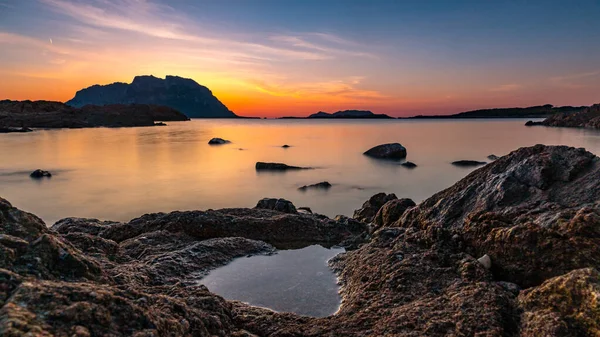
x=271 y=59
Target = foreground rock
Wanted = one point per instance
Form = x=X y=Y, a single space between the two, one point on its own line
x=370 y=208
x=324 y=185
x=40 y=174
x=218 y=141
x=274 y=204
x=47 y=114
x=260 y=166
x=588 y=118
x=387 y=151
x=531 y=217
x=468 y=163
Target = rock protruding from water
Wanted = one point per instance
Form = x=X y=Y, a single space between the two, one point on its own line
x=409 y=164
x=218 y=141
x=588 y=118
x=350 y=114
x=370 y=208
x=261 y=166
x=280 y=205
x=387 y=151
x=285 y=146
x=38 y=174
x=324 y=185
x=182 y=94
x=468 y=163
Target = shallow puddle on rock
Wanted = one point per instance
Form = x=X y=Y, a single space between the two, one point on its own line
x=298 y=281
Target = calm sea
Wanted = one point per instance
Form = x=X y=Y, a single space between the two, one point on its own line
x=119 y=174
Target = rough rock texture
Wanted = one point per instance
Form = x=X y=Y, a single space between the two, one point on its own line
x=47 y=114
x=534 y=213
x=275 y=204
x=260 y=166
x=588 y=118
x=370 y=208
x=179 y=93
x=387 y=151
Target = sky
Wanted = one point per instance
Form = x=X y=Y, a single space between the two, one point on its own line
x=295 y=57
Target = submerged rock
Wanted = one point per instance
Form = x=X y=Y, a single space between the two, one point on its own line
x=468 y=163
x=218 y=141
x=40 y=174
x=322 y=185
x=409 y=164
x=370 y=208
x=387 y=151
x=260 y=166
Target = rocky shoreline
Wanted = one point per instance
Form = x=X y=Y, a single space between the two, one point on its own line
x=588 y=118
x=410 y=270
x=22 y=115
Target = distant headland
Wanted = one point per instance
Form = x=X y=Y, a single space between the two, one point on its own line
x=345 y=114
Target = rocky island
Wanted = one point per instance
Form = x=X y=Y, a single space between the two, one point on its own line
x=182 y=94
x=587 y=118
x=49 y=114
x=510 y=250
x=345 y=114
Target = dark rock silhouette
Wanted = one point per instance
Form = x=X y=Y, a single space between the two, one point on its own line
x=588 y=118
x=40 y=174
x=409 y=164
x=47 y=114
x=370 y=208
x=387 y=151
x=218 y=141
x=182 y=94
x=261 y=166
x=280 y=205
x=351 y=114
x=14 y=130
x=468 y=163
x=285 y=146
x=322 y=185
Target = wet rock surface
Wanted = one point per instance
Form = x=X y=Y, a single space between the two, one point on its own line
x=218 y=141
x=534 y=213
x=324 y=185
x=387 y=151
x=37 y=174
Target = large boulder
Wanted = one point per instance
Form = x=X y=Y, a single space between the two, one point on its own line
x=370 y=208
x=387 y=151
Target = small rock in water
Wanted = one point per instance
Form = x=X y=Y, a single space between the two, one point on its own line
x=409 y=164
x=387 y=151
x=260 y=166
x=492 y=157
x=485 y=261
x=218 y=141
x=40 y=174
x=160 y=124
x=285 y=146
x=466 y=163
x=322 y=185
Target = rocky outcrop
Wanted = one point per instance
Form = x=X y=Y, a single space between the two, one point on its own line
x=182 y=94
x=218 y=141
x=492 y=157
x=510 y=250
x=387 y=151
x=324 y=185
x=588 y=118
x=468 y=163
x=370 y=208
x=260 y=166
x=275 y=204
x=46 y=114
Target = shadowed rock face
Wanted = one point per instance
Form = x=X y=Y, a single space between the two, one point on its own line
x=370 y=208
x=260 y=166
x=182 y=94
x=588 y=118
x=534 y=213
x=47 y=114
x=387 y=151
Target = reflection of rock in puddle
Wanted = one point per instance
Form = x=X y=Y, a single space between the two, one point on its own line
x=296 y=281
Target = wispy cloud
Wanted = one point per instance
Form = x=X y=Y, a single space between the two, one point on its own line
x=507 y=87
x=573 y=81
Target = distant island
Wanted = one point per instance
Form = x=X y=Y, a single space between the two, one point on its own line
x=540 y=111
x=588 y=118
x=182 y=94
x=345 y=114
x=49 y=114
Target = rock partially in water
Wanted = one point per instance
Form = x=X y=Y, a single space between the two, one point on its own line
x=387 y=151
x=370 y=208
x=275 y=204
x=588 y=118
x=325 y=185
x=468 y=163
x=285 y=146
x=40 y=174
x=261 y=166
x=218 y=141
x=409 y=164
x=492 y=157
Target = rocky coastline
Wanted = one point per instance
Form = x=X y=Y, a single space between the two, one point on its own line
x=409 y=270
x=588 y=118
x=23 y=115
